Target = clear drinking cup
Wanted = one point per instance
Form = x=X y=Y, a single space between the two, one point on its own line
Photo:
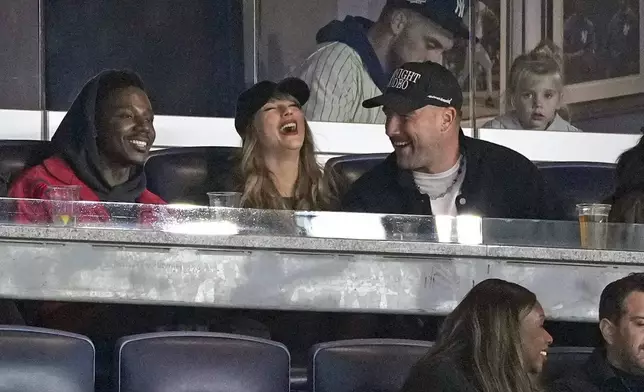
x=224 y=199
x=593 y=225
x=62 y=201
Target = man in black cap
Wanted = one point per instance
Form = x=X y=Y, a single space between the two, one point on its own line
x=435 y=169
x=356 y=56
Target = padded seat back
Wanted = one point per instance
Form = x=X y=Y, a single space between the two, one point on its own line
x=193 y=361
x=18 y=155
x=579 y=182
x=364 y=365
x=186 y=174
x=37 y=360
x=563 y=360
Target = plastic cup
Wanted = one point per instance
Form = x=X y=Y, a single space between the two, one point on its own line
x=224 y=199
x=593 y=225
x=62 y=204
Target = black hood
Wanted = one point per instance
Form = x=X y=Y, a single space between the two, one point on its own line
x=75 y=141
x=352 y=31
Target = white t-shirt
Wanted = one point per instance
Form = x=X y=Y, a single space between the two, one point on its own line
x=339 y=82
x=435 y=184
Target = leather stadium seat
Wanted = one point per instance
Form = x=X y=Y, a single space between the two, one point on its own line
x=579 y=182
x=36 y=360
x=350 y=167
x=563 y=360
x=363 y=365
x=17 y=155
x=194 y=361
x=185 y=174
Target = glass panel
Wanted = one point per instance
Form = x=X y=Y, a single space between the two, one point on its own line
x=204 y=221
x=603 y=67
x=486 y=61
x=20 y=76
x=189 y=53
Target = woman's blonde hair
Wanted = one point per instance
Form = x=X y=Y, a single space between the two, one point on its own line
x=313 y=191
x=483 y=334
x=544 y=60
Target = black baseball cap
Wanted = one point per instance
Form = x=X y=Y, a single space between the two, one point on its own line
x=446 y=13
x=251 y=100
x=415 y=85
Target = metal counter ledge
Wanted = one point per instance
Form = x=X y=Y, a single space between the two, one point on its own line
x=293 y=272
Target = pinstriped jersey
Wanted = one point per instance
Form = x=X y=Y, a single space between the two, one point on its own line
x=339 y=82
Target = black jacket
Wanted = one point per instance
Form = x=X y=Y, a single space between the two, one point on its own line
x=596 y=375
x=444 y=375
x=499 y=183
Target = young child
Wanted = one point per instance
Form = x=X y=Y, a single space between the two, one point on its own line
x=536 y=93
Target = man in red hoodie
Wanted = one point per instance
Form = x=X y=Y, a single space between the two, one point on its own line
x=100 y=146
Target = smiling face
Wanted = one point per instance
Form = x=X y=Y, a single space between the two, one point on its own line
x=125 y=130
x=280 y=125
x=535 y=340
x=416 y=136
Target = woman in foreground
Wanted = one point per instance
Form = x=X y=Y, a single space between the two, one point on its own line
x=494 y=341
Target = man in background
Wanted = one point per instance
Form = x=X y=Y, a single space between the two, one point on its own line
x=435 y=169
x=356 y=56
x=618 y=365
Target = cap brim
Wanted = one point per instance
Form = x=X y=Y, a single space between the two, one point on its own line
x=396 y=102
x=296 y=88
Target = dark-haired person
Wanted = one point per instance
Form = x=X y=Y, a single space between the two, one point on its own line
x=355 y=57
x=628 y=200
x=278 y=168
x=617 y=366
x=100 y=146
x=435 y=169
x=493 y=341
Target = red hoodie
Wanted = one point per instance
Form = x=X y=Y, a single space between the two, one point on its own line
x=54 y=171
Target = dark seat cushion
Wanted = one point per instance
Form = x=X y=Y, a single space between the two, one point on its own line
x=192 y=361
x=36 y=359
x=18 y=155
x=579 y=182
x=186 y=174
x=363 y=365
x=564 y=360
x=348 y=168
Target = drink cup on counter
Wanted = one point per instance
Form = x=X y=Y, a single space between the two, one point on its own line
x=224 y=199
x=593 y=225
x=62 y=202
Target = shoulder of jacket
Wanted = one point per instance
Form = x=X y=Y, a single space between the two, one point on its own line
x=334 y=51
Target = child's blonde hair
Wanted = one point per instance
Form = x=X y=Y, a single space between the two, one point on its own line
x=544 y=60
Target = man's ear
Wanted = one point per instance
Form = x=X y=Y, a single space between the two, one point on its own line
x=448 y=118
x=608 y=330
x=398 y=21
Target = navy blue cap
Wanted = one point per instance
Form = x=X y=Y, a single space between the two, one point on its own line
x=446 y=13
